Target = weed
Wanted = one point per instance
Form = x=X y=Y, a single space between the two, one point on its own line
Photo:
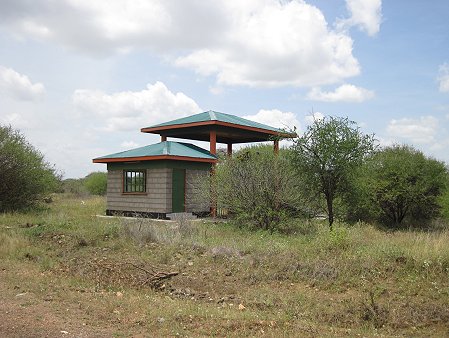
x=372 y=311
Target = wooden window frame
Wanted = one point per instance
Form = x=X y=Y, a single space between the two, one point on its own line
x=135 y=189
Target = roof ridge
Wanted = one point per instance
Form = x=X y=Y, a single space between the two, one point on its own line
x=212 y=115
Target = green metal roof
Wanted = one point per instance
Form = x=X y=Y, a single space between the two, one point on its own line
x=164 y=148
x=216 y=116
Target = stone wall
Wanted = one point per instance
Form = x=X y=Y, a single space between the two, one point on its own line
x=157 y=198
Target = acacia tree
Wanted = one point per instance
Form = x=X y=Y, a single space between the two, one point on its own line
x=401 y=182
x=25 y=178
x=327 y=154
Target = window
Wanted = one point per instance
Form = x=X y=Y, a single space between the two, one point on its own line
x=134 y=181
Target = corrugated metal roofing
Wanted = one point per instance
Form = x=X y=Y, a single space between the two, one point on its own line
x=216 y=116
x=164 y=148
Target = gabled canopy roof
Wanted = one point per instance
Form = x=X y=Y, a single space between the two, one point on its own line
x=229 y=128
x=166 y=150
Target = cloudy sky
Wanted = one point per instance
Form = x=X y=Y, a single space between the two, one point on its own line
x=80 y=77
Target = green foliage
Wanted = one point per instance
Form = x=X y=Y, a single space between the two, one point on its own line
x=326 y=156
x=400 y=183
x=256 y=186
x=24 y=175
x=96 y=183
x=74 y=186
x=444 y=199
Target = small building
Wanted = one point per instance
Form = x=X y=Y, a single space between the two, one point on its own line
x=164 y=178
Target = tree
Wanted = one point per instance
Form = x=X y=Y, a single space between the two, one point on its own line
x=96 y=183
x=326 y=156
x=444 y=199
x=257 y=186
x=401 y=182
x=24 y=175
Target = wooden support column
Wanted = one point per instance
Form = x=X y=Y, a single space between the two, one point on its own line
x=213 y=151
x=213 y=142
x=163 y=138
x=276 y=147
x=229 y=149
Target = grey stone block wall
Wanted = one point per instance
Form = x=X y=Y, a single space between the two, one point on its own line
x=157 y=198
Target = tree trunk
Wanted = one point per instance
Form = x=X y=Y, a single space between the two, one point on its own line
x=330 y=210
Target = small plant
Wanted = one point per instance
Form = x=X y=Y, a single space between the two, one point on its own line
x=339 y=238
x=372 y=311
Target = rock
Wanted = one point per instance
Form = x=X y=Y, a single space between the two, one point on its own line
x=242 y=307
x=119 y=294
x=161 y=320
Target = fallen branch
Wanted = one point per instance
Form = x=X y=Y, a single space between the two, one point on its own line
x=153 y=278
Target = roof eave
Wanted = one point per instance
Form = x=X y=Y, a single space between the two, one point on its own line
x=154 y=158
x=156 y=130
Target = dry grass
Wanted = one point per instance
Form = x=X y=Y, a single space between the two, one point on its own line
x=233 y=282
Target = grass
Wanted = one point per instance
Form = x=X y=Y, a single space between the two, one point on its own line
x=357 y=280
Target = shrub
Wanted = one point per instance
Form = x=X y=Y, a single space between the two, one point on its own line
x=400 y=183
x=74 y=186
x=96 y=183
x=24 y=175
x=257 y=186
x=444 y=202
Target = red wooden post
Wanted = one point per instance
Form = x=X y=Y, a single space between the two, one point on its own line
x=213 y=151
x=163 y=138
x=213 y=142
x=229 y=149
x=276 y=147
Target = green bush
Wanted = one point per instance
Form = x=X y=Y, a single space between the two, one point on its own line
x=24 y=175
x=74 y=186
x=96 y=183
x=257 y=186
x=444 y=202
x=399 y=184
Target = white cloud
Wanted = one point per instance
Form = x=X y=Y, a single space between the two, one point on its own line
x=365 y=14
x=276 y=44
x=19 y=86
x=443 y=78
x=385 y=142
x=420 y=130
x=15 y=119
x=254 y=43
x=216 y=90
x=345 y=93
x=275 y=118
x=315 y=116
x=135 y=110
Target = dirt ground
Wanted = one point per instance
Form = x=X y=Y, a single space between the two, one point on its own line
x=25 y=314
